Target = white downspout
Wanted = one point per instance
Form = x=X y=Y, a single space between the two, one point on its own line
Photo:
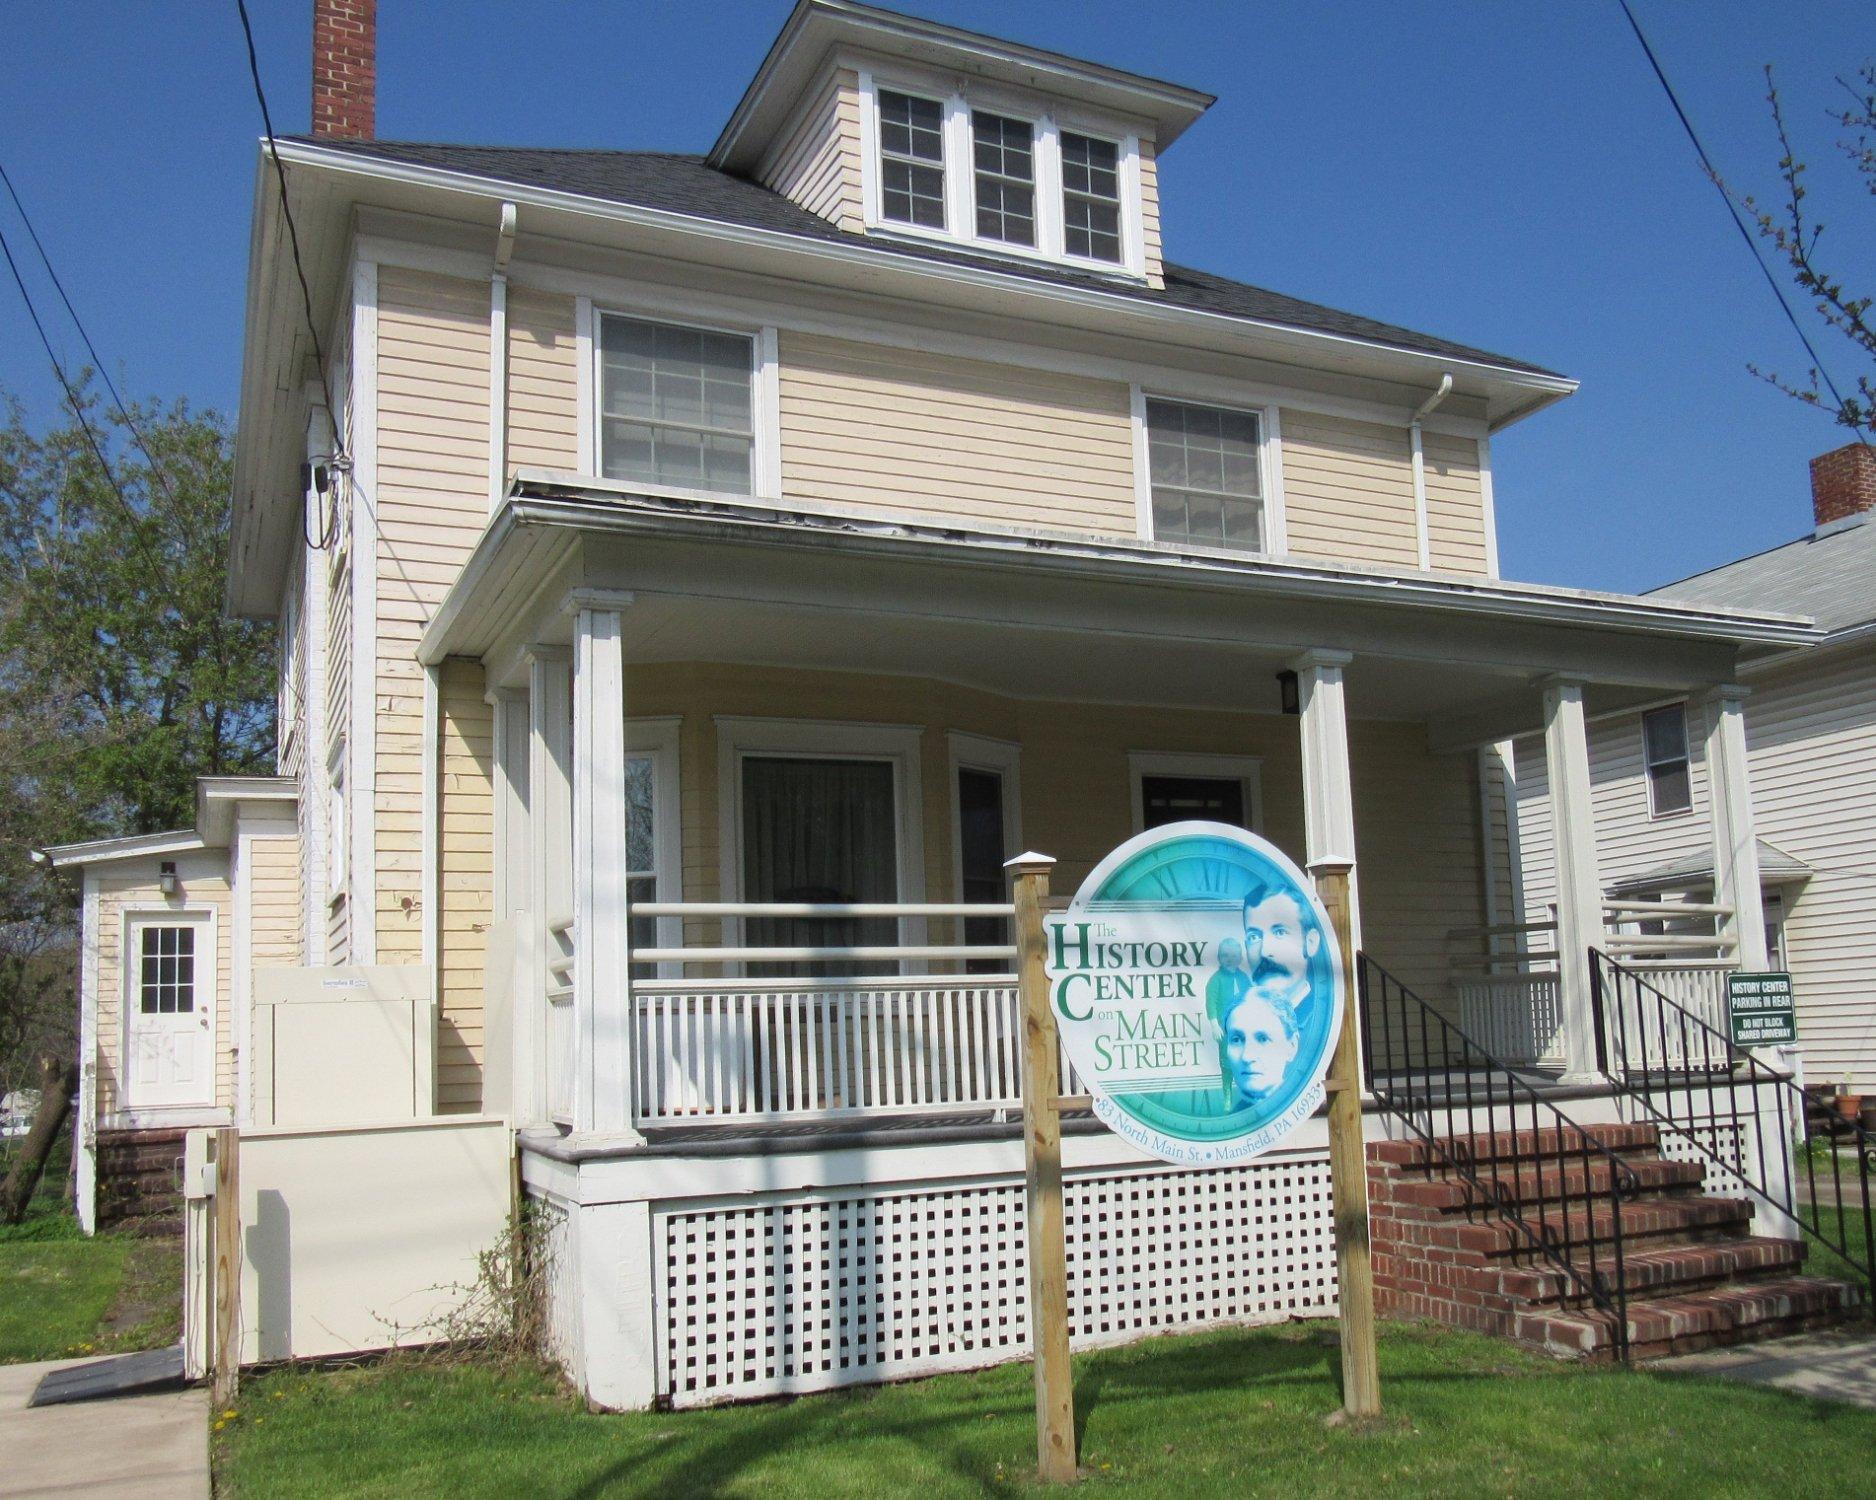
x=498 y=357
x=1420 y=470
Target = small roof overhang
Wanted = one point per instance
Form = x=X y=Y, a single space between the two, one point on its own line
x=1776 y=867
x=1036 y=613
x=216 y=800
x=133 y=846
x=816 y=28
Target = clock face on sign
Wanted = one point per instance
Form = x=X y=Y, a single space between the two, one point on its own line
x=1197 y=985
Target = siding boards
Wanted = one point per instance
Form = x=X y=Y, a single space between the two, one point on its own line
x=543 y=382
x=938 y=437
x=1455 y=502
x=817 y=164
x=1348 y=490
x=465 y=881
x=275 y=934
x=1149 y=216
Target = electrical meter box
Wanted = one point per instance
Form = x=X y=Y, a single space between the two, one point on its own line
x=343 y=1045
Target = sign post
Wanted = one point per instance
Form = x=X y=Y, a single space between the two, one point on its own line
x=1348 y=1173
x=1042 y=1177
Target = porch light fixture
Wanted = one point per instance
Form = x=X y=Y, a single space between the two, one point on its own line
x=166 y=877
x=1286 y=686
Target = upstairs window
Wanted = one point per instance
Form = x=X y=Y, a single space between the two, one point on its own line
x=1004 y=157
x=1664 y=752
x=912 y=160
x=1205 y=474
x=1090 y=197
x=675 y=406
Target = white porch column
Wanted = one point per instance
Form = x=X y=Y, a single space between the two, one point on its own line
x=1579 y=887
x=1328 y=793
x=1735 y=837
x=550 y=852
x=601 y=984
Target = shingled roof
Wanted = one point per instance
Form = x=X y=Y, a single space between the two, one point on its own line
x=1829 y=575
x=686 y=184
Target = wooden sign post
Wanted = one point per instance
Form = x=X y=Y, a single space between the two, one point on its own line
x=1042 y=1157
x=1348 y=1167
x=225 y=1256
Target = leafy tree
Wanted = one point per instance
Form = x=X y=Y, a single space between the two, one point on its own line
x=121 y=680
x=1792 y=229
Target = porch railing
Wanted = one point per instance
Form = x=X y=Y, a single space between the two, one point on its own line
x=1505 y=979
x=1682 y=948
x=1743 y=1117
x=918 y=1036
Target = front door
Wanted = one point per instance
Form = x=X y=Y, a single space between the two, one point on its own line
x=169 y=1014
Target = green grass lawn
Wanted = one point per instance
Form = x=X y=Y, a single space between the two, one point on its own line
x=1847 y=1226
x=1224 y=1413
x=62 y=1294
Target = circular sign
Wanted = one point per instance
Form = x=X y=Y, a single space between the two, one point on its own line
x=1198 y=988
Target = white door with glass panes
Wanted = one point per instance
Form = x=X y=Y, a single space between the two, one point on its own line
x=169 y=1012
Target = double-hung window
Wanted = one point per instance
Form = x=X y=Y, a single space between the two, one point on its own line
x=1205 y=474
x=1090 y=197
x=675 y=405
x=1664 y=752
x=1004 y=162
x=912 y=159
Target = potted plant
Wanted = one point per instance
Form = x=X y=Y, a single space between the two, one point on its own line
x=1849 y=1104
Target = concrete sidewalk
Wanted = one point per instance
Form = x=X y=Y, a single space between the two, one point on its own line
x=149 y=1446
x=1837 y=1366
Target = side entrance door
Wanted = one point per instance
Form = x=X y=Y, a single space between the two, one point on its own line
x=169 y=1012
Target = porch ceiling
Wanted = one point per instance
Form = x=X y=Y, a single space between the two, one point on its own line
x=1061 y=618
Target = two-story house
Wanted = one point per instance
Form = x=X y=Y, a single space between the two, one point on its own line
x=698 y=574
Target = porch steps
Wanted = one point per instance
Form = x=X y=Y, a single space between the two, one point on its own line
x=140 y=1180
x=1462 y=1251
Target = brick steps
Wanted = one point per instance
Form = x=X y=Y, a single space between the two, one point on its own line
x=140 y=1180
x=1458 y=1251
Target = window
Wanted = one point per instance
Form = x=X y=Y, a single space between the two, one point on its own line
x=1090 y=197
x=1664 y=752
x=818 y=830
x=1205 y=475
x=1005 y=162
x=912 y=160
x=1177 y=787
x=676 y=406
x=166 y=984
x=337 y=822
x=981 y=852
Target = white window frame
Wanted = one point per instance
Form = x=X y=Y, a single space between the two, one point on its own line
x=659 y=739
x=1276 y=528
x=1047 y=119
x=765 y=402
x=948 y=158
x=976 y=752
x=206 y=918
x=739 y=738
x=1246 y=770
x=1686 y=758
x=338 y=806
x=287 y=703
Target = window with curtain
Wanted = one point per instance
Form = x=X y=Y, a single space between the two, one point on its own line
x=1203 y=465
x=675 y=405
x=823 y=831
x=1664 y=749
x=981 y=853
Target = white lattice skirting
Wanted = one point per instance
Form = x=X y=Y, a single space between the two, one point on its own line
x=862 y=1284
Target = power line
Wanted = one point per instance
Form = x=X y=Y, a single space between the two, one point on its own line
x=97 y=360
x=293 y=234
x=1732 y=208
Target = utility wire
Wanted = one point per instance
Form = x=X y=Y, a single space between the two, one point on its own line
x=97 y=360
x=78 y=407
x=1732 y=208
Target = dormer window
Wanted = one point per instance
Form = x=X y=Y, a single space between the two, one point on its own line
x=989 y=168
x=912 y=160
x=1004 y=159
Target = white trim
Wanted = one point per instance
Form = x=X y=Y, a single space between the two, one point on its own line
x=1488 y=505
x=739 y=737
x=661 y=738
x=1488 y=854
x=131 y=846
x=1142 y=463
x=1417 y=461
x=585 y=363
x=430 y=840
x=977 y=752
x=203 y=914
x=360 y=877
x=498 y=388
x=241 y=957
x=1507 y=752
x=766 y=407
x=1246 y=770
x=1277 y=506
x=85 y=1178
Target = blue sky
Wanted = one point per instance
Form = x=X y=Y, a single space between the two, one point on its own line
x=1508 y=175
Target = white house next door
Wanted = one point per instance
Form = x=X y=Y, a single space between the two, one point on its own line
x=169 y=1013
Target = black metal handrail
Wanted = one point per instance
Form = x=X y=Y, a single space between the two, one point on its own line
x=1401 y=1075
x=1667 y=1059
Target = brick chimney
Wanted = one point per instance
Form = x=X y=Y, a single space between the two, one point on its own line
x=345 y=69
x=1843 y=482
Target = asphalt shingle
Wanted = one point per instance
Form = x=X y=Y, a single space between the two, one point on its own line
x=1831 y=578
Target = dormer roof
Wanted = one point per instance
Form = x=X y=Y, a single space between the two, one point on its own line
x=816 y=29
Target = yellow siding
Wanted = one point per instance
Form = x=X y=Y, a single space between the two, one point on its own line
x=954 y=439
x=817 y=164
x=133 y=885
x=466 y=835
x=1149 y=215
x=1348 y=490
x=433 y=416
x=273 y=877
x=543 y=382
x=1455 y=502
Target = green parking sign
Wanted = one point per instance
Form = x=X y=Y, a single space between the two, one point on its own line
x=1761 y=1010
